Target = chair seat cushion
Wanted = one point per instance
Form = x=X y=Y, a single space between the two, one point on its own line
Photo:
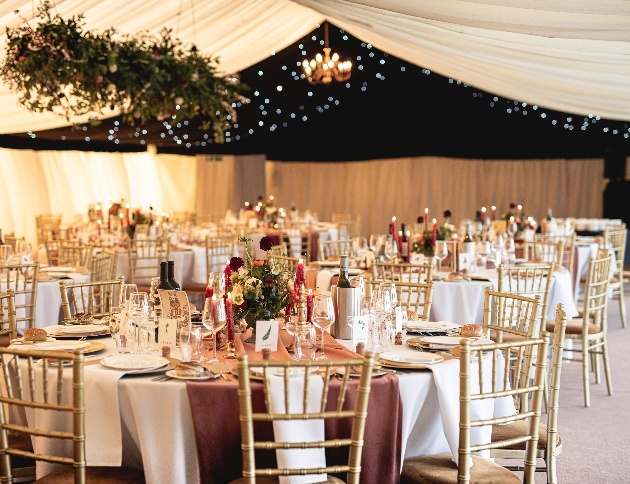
x=574 y=327
x=507 y=337
x=520 y=429
x=96 y=475
x=434 y=469
x=194 y=287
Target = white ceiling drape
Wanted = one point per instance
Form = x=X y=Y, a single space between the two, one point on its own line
x=572 y=57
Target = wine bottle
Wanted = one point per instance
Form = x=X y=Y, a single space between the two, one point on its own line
x=468 y=244
x=404 y=245
x=343 y=281
x=171 y=276
x=164 y=284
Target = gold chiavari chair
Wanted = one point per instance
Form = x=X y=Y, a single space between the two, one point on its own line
x=298 y=243
x=403 y=272
x=545 y=251
x=416 y=297
x=568 y=255
x=280 y=249
x=529 y=281
x=549 y=441
x=340 y=217
x=95 y=298
x=289 y=262
x=103 y=265
x=479 y=382
x=8 y=329
x=23 y=280
x=145 y=256
x=219 y=250
x=509 y=316
x=333 y=249
x=48 y=227
x=615 y=242
x=285 y=406
x=51 y=395
x=349 y=228
x=590 y=329
x=72 y=253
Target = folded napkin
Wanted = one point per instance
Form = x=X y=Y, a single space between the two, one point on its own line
x=298 y=430
x=103 y=442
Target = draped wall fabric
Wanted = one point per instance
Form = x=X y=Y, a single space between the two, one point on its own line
x=379 y=189
x=569 y=56
x=66 y=182
x=33 y=183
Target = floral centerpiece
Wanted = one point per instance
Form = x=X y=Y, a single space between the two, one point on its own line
x=425 y=242
x=517 y=222
x=60 y=67
x=260 y=288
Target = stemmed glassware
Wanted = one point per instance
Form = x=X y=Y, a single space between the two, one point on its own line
x=307 y=342
x=323 y=317
x=138 y=311
x=214 y=318
x=216 y=280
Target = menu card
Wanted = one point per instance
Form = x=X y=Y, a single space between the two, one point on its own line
x=267 y=335
x=175 y=308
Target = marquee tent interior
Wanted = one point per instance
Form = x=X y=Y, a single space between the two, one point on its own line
x=569 y=59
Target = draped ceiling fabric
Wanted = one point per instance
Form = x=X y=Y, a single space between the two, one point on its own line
x=572 y=57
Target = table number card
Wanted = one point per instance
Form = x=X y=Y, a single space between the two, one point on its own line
x=359 y=330
x=175 y=306
x=267 y=335
x=398 y=321
x=167 y=332
x=466 y=262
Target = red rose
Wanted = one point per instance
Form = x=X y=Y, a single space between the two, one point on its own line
x=266 y=243
x=236 y=263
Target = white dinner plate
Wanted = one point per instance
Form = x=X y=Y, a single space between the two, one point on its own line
x=76 y=329
x=453 y=340
x=341 y=371
x=134 y=362
x=206 y=375
x=62 y=269
x=430 y=325
x=256 y=373
x=410 y=359
x=57 y=345
x=22 y=341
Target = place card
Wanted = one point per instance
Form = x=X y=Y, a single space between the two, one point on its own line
x=267 y=335
x=167 y=332
x=175 y=306
x=359 y=330
x=124 y=323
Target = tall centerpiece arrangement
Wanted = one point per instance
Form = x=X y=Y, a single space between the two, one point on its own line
x=260 y=288
x=60 y=67
x=425 y=241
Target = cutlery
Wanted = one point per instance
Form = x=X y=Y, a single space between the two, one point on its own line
x=225 y=369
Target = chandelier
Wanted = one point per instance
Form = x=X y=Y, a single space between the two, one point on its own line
x=325 y=69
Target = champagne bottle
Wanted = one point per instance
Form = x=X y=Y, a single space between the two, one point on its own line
x=404 y=245
x=171 y=276
x=344 y=280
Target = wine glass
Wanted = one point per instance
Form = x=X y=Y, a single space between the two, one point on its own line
x=214 y=318
x=442 y=253
x=216 y=280
x=125 y=294
x=138 y=311
x=323 y=317
x=291 y=328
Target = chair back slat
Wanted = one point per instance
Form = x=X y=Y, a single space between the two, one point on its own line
x=23 y=280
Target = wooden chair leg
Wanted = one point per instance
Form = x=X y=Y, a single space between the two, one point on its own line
x=607 y=368
x=585 y=381
x=622 y=307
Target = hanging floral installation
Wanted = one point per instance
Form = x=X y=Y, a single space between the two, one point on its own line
x=58 y=66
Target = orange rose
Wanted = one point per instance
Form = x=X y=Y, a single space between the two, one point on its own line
x=258 y=263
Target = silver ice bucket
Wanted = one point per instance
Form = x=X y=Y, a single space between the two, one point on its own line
x=347 y=302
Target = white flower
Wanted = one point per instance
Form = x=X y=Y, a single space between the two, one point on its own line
x=237 y=294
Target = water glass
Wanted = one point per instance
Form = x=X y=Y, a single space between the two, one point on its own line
x=307 y=341
x=116 y=315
